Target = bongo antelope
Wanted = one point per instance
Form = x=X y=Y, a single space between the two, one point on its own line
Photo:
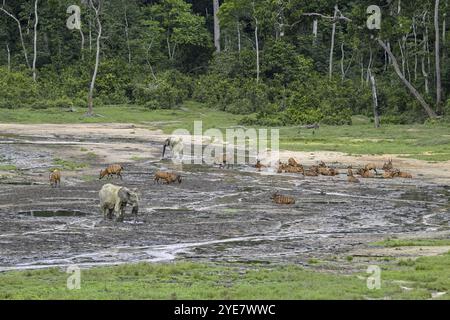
x=113 y=169
x=55 y=178
x=168 y=177
x=351 y=178
x=280 y=199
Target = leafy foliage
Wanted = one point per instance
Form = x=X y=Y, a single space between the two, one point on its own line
x=160 y=53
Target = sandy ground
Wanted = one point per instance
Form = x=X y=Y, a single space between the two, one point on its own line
x=215 y=214
x=130 y=134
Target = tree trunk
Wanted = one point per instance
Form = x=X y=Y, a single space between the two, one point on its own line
x=239 y=36
x=342 y=62
x=362 y=70
x=216 y=25
x=375 y=101
x=97 y=58
x=127 y=33
x=257 y=51
x=403 y=57
x=437 y=57
x=315 y=31
x=9 y=56
x=424 y=71
x=90 y=34
x=82 y=44
x=369 y=66
x=415 y=49
x=413 y=90
x=333 y=34
x=36 y=21
x=20 y=34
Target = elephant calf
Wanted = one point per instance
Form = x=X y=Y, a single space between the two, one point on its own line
x=114 y=199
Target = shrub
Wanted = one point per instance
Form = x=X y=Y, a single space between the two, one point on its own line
x=17 y=89
x=158 y=95
x=239 y=96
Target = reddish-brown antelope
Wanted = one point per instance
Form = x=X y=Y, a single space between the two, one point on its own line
x=55 y=178
x=113 y=169
x=280 y=199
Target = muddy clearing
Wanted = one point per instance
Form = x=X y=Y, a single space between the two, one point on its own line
x=214 y=215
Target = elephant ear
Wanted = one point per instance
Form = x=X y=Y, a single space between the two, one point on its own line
x=124 y=194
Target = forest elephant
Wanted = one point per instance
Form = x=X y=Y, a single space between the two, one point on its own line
x=114 y=199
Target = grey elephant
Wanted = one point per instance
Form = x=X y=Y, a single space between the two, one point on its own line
x=114 y=199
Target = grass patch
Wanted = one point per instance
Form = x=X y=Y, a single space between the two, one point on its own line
x=91 y=155
x=394 y=243
x=7 y=167
x=88 y=178
x=68 y=165
x=137 y=158
x=186 y=280
x=423 y=142
x=166 y=120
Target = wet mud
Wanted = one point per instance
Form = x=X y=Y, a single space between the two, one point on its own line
x=215 y=214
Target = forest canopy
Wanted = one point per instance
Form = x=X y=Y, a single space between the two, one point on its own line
x=280 y=62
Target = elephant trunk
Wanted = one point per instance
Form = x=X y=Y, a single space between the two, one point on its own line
x=135 y=210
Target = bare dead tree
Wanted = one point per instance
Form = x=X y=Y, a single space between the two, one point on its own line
x=375 y=101
x=36 y=21
x=361 y=63
x=315 y=31
x=97 y=11
x=82 y=44
x=415 y=48
x=256 y=43
x=8 y=52
x=19 y=27
x=257 y=50
x=239 y=36
x=437 y=57
x=425 y=53
x=333 y=34
x=127 y=37
x=411 y=88
x=90 y=35
x=342 y=61
x=216 y=25
x=369 y=66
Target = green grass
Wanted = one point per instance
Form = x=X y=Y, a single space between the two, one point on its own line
x=167 y=120
x=7 y=167
x=393 y=243
x=425 y=142
x=185 y=280
x=68 y=165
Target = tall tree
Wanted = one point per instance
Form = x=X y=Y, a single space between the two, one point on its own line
x=402 y=77
x=36 y=21
x=437 y=57
x=216 y=25
x=19 y=27
x=97 y=9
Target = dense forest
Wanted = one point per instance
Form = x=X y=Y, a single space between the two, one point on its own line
x=280 y=62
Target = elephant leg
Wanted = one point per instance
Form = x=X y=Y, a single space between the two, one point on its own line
x=120 y=214
x=110 y=213
x=104 y=211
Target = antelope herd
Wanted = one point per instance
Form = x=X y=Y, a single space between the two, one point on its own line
x=367 y=171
